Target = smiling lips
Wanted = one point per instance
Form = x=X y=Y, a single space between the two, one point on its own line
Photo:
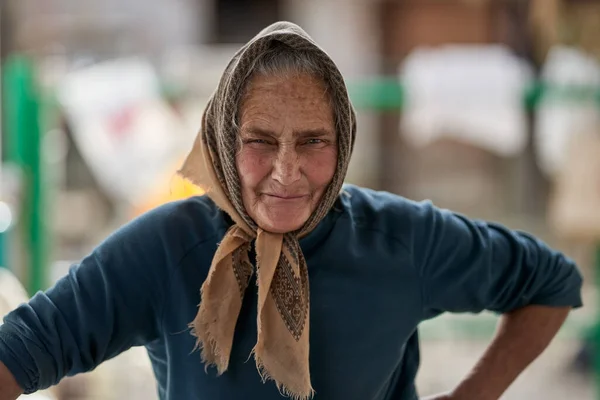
x=284 y=197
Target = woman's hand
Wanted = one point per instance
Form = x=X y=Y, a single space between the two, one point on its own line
x=9 y=389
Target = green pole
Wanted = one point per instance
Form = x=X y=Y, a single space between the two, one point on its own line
x=23 y=149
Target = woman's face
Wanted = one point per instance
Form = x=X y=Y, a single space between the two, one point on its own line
x=288 y=153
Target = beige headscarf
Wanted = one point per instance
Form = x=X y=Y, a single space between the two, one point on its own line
x=282 y=348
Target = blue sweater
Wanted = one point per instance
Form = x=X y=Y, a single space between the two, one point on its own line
x=379 y=265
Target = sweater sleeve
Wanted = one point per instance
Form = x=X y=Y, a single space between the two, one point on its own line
x=471 y=266
x=106 y=304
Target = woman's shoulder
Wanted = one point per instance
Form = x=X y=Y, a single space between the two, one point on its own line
x=174 y=227
x=383 y=211
x=367 y=203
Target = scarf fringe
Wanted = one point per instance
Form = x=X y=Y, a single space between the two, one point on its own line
x=283 y=390
x=209 y=351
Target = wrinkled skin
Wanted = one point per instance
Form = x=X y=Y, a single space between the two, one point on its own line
x=288 y=152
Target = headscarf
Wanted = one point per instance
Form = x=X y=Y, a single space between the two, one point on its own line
x=282 y=349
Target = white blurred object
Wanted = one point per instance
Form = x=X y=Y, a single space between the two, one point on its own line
x=127 y=376
x=127 y=134
x=37 y=396
x=12 y=292
x=558 y=119
x=198 y=68
x=573 y=207
x=470 y=93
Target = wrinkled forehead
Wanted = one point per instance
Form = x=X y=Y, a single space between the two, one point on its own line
x=284 y=105
x=285 y=88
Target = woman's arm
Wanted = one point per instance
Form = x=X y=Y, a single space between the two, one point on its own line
x=471 y=266
x=521 y=337
x=108 y=303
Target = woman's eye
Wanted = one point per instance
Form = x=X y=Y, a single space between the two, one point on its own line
x=256 y=141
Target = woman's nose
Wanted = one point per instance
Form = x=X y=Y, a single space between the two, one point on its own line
x=286 y=168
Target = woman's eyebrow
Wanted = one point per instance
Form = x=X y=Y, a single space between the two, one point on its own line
x=312 y=132
x=259 y=132
x=319 y=132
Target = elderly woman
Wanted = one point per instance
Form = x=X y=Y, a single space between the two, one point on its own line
x=324 y=284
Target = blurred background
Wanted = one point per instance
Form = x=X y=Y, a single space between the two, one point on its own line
x=488 y=107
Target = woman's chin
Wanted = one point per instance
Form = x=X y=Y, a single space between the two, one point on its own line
x=281 y=224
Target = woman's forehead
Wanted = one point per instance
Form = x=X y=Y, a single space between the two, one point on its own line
x=300 y=84
x=300 y=95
